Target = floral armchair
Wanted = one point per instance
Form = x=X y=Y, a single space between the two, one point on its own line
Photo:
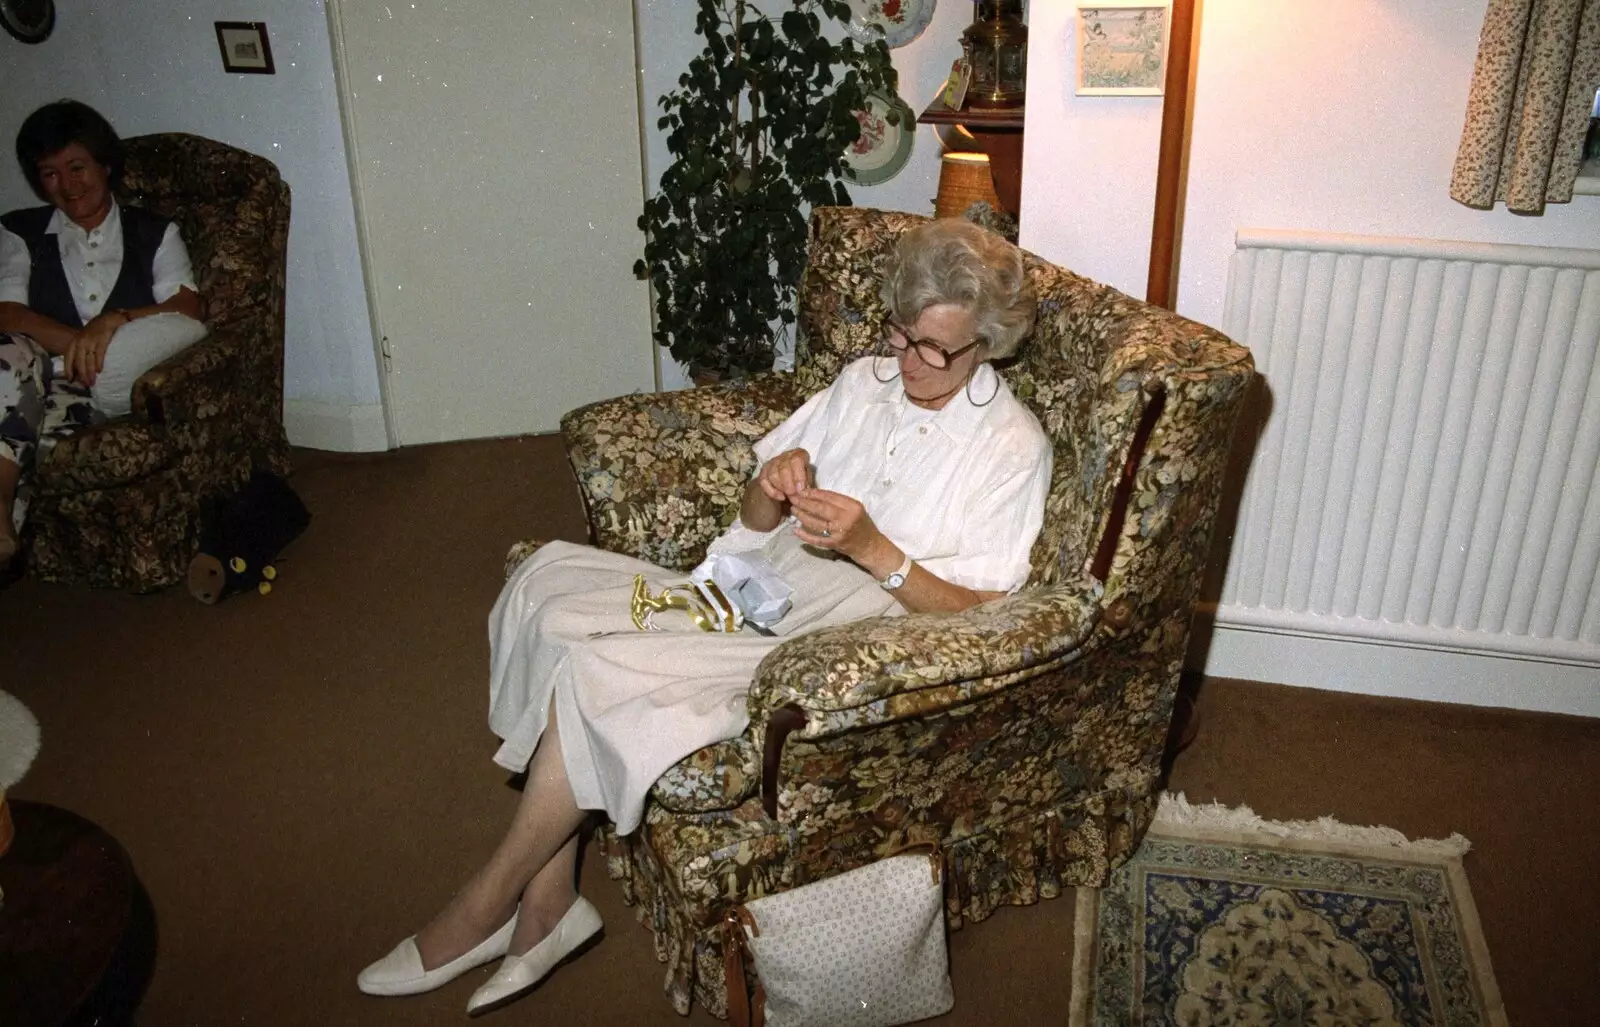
x=119 y=504
x=1025 y=735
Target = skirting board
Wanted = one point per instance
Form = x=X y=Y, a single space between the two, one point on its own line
x=337 y=427
x=1399 y=671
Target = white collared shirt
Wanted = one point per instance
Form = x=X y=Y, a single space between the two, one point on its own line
x=961 y=490
x=92 y=261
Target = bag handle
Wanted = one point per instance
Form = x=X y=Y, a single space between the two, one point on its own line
x=740 y=1011
x=931 y=849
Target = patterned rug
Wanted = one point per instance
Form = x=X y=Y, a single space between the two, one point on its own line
x=1222 y=918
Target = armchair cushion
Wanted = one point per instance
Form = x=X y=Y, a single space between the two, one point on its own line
x=662 y=475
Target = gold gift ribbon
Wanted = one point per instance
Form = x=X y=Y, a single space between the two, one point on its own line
x=682 y=597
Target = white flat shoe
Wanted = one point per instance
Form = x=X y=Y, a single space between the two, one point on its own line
x=519 y=973
x=401 y=972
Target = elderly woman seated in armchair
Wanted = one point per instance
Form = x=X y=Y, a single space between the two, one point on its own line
x=915 y=482
x=92 y=294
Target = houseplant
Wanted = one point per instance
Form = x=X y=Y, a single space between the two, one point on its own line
x=758 y=129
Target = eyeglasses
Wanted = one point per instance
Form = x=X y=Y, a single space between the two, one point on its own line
x=898 y=339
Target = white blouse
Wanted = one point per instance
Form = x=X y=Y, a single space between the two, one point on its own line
x=960 y=490
x=92 y=262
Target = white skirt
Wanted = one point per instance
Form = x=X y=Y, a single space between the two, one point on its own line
x=630 y=703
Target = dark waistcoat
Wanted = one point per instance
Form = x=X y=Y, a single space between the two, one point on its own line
x=48 y=293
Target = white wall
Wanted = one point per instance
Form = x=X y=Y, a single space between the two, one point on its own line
x=1340 y=117
x=155 y=67
x=1328 y=117
x=667 y=43
x=1088 y=163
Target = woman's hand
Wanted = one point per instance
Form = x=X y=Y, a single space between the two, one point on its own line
x=831 y=520
x=850 y=531
x=86 y=356
x=786 y=474
x=766 y=497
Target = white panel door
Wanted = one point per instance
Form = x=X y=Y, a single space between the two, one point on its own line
x=495 y=150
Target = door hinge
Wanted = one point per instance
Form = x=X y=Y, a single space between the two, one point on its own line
x=387 y=350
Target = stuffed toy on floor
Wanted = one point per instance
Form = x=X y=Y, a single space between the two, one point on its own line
x=242 y=538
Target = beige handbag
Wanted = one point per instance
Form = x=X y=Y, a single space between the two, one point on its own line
x=865 y=948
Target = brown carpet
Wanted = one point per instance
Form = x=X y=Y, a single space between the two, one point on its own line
x=301 y=779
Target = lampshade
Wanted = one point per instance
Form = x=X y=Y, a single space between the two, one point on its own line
x=964 y=179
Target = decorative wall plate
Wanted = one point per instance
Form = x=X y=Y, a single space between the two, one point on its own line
x=28 y=20
x=883 y=148
x=901 y=20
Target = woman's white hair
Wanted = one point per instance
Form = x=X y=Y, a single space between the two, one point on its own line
x=957 y=262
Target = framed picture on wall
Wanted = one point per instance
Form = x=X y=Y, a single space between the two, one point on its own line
x=1122 y=48
x=245 y=49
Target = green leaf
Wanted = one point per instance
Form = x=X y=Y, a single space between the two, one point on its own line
x=796 y=27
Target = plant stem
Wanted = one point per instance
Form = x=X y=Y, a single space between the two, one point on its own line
x=738 y=63
x=753 y=161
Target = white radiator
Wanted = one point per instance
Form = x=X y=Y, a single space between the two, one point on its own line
x=1426 y=475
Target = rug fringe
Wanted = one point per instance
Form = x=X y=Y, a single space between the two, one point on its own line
x=1177 y=811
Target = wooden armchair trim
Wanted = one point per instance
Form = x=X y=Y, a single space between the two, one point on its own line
x=1100 y=567
x=784 y=722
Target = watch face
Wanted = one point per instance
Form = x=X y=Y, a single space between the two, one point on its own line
x=895 y=580
x=29 y=20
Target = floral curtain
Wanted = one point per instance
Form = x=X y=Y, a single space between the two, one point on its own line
x=1532 y=90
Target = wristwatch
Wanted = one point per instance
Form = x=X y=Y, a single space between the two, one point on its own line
x=897 y=577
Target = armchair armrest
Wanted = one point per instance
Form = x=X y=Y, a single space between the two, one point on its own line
x=875 y=671
x=192 y=383
x=661 y=474
x=870 y=673
x=884 y=669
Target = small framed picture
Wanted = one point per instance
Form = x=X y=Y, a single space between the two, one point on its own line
x=245 y=49
x=1122 y=48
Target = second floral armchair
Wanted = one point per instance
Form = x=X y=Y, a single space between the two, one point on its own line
x=120 y=504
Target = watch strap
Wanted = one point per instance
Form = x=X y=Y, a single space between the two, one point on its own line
x=897 y=577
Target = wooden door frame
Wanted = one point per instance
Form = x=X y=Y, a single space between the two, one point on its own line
x=1171 y=171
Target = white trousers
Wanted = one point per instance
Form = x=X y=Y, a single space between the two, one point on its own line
x=135 y=348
